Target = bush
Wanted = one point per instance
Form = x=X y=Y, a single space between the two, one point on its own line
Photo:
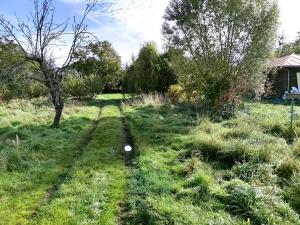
x=36 y=90
x=6 y=94
x=176 y=92
x=226 y=105
x=83 y=88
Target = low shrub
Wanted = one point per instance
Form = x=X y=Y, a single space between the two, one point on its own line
x=6 y=94
x=176 y=92
x=226 y=105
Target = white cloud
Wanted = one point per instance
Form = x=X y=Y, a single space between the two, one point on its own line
x=289 y=18
x=129 y=23
x=133 y=22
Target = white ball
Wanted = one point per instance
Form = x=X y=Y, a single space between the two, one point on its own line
x=128 y=148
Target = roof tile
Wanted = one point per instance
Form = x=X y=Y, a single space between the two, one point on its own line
x=292 y=60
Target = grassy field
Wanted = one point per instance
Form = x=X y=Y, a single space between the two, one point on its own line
x=71 y=175
x=187 y=170
x=194 y=171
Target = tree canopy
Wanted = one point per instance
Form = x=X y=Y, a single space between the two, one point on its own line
x=288 y=48
x=100 y=59
x=226 y=44
x=150 y=72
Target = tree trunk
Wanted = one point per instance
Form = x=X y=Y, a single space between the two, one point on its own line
x=58 y=113
x=58 y=104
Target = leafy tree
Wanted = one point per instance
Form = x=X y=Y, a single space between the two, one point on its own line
x=35 y=39
x=150 y=71
x=226 y=44
x=11 y=61
x=167 y=74
x=99 y=59
x=288 y=48
x=82 y=87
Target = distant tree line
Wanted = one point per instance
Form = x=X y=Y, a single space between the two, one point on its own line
x=96 y=68
x=216 y=52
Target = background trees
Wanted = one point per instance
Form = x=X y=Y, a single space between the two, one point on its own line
x=288 y=48
x=226 y=45
x=101 y=60
x=150 y=72
x=19 y=85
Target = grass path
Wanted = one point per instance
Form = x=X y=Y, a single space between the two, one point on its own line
x=93 y=191
x=72 y=175
x=87 y=138
x=31 y=166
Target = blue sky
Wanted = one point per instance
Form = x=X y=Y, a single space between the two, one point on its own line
x=129 y=23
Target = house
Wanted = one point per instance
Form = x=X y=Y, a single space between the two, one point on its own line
x=285 y=74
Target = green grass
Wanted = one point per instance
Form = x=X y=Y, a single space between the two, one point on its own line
x=94 y=190
x=89 y=188
x=188 y=169
x=192 y=170
x=33 y=156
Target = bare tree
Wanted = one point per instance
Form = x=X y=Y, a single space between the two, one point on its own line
x=37 y=39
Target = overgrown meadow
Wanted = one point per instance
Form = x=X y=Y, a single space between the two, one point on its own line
x=192 y=170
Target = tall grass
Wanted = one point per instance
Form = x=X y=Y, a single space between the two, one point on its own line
x=192 y=170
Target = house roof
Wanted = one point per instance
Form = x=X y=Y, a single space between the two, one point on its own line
x=292 y=60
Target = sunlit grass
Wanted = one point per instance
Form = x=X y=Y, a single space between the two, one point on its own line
x=34 y=158
x=189 y=169
x=195 y=171
x=95 y=189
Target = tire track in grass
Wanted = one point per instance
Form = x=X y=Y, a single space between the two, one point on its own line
x=129 y=156
x=131 y=167
x=87 y=138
